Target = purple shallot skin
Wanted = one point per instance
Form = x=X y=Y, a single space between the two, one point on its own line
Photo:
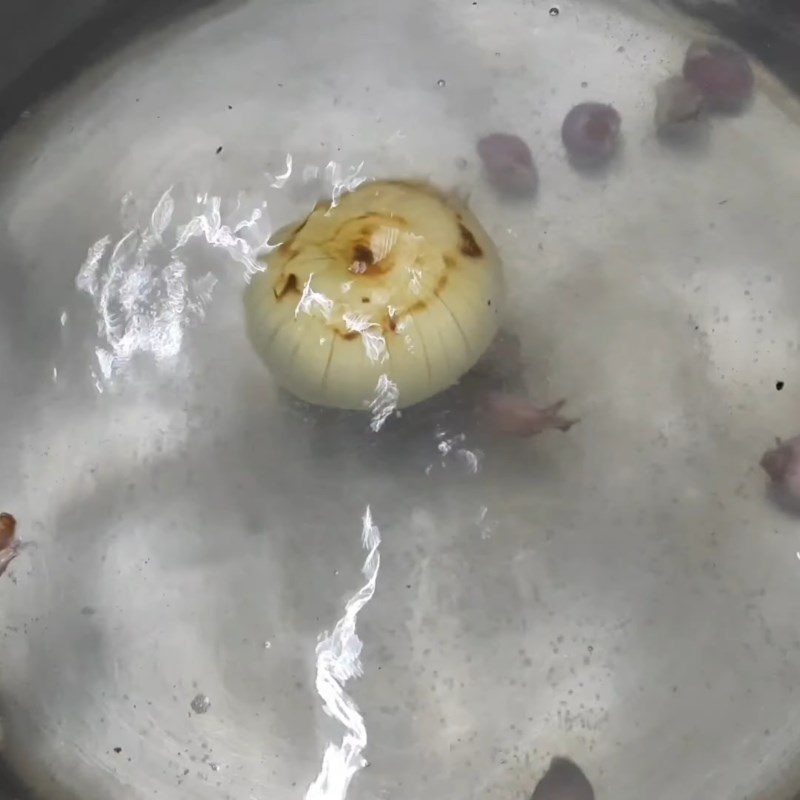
x=491 y=402
x=7 y=555
x=782 y=464
x=9 y=547
x=590 y=133
x=721 y=73
x=497 y=396
x=508 y=163
x=516 y=416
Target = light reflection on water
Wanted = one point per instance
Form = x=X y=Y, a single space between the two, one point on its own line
x=148 y=290
x=339 y=660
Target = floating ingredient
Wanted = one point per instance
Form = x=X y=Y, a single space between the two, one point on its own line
x=590 y=133
x=388 y=296
x=508 y=163
x=9 y=546
x=722 y=73
x=679 y=105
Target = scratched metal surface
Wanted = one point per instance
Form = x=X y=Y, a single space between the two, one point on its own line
x=624 y=594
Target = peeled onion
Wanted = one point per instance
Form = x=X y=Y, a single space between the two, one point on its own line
x=679 y=103
x=384 y=298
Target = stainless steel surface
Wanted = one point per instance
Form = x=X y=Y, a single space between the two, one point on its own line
x=33 y=27
x=623 y=594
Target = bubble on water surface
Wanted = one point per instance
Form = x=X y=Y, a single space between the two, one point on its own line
x=201 y=703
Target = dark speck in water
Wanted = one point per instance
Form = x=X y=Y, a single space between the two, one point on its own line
x=554 y=11
x=219 y=149
x=230 y=108
x=117 y=750
x=564 y=780
x=779 y=385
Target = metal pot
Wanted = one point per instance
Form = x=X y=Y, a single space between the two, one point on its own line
x=219 y=595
